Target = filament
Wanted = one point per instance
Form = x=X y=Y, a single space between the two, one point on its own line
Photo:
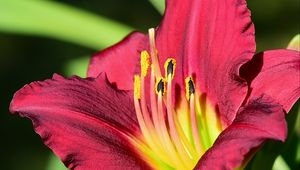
x=167 y=141
x=195 y=129
x=185 y=155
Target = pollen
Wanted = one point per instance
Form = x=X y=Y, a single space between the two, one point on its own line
x=137 y=87
x=145 y=62
x=170 y=66
x=189 y=87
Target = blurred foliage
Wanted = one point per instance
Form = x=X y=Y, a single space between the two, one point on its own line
x=52 y=19
x=54 y=163
x=159 y=5
x=77 y=67
x=276 y=22
x=40 y=37
x=280 y=164
x=294 y=44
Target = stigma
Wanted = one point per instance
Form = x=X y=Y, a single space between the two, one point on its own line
x=169 y=142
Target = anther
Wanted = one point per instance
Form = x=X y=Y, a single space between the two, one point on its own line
x=189 y=87
x=137 y=87
x=145 y=62
x=160 y=86
x=170 y=66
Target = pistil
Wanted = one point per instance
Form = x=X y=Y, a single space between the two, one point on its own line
x=153 y=52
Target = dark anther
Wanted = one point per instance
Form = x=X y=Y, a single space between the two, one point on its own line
x=161 y=86
x=191 y=87
x=170 y=67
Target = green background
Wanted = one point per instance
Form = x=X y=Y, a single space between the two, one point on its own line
x=33 y=48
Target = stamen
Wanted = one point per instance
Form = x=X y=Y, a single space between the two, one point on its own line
x=149 y=124
x=153 y=52
x=174 y=143
x=147 y=133
x=170 y=66
x=190 y=94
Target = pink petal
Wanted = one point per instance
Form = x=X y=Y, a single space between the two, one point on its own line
x=256 y=122
x=275 y=73
x=85 y=122
x=120 y=61
x=210 y=40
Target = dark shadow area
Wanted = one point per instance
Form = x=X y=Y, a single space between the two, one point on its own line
x=251 y=69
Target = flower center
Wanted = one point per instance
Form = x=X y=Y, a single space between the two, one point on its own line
x=173 y=137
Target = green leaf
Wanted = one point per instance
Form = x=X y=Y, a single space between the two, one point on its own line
x=159 y=5
x=59 y=21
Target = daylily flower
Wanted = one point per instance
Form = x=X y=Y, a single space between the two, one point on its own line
x=188 y=95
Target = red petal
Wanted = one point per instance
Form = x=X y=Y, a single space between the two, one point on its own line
x=258 y=121
x=210 y=40
x=85 y=122
x=275 y=73
x=120 y=61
